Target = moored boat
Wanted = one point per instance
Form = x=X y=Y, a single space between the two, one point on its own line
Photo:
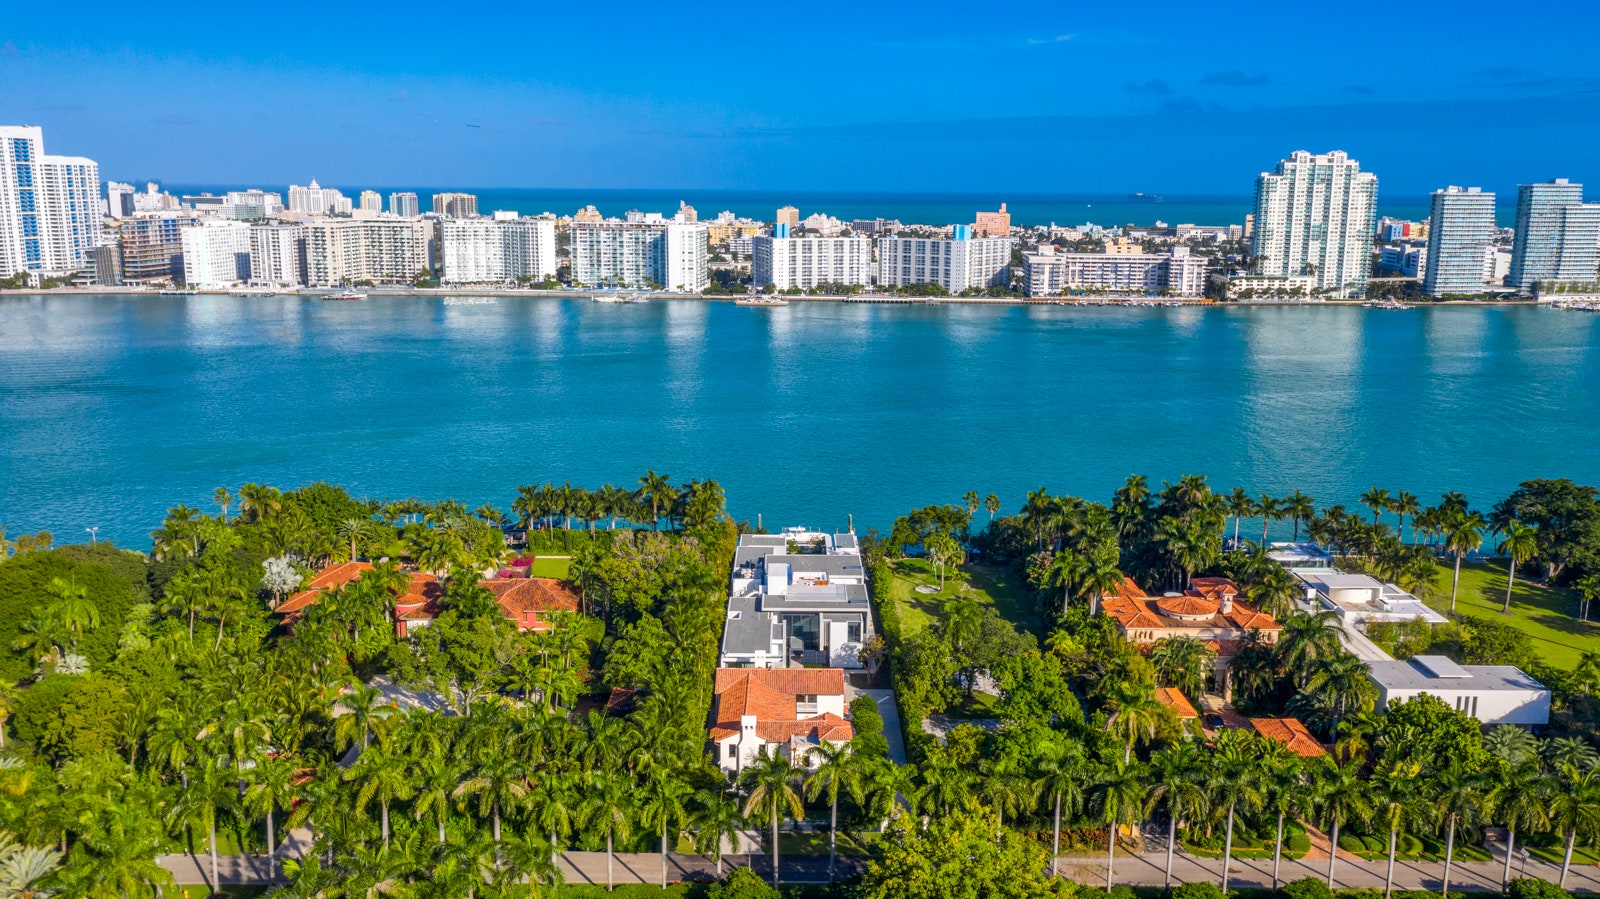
x=761 y=301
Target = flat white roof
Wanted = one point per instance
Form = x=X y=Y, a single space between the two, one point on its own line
x=1413 y=675
x=1441 y=666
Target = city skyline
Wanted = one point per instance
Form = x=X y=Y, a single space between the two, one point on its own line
x=1066 y=101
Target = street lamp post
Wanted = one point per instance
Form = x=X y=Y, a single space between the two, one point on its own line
x=93 y=534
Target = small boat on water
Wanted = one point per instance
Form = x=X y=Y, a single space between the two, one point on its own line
x=1385 y=303
x=347 y=295
x=761 y=301
x=616 y=298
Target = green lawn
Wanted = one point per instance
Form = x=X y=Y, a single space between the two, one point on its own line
x=547 y=567
x=817 y=843
x=997 y=587
x=1546 y=614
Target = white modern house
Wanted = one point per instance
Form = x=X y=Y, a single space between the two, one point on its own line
x=786 y=712
x=1493 y=694
x=1357 y=598
x=797 y=598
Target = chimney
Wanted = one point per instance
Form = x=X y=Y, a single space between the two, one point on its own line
x=1227 y=602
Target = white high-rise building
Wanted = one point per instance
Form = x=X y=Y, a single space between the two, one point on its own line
x=50 y=208
x=687 y=252
x=278 y=255
x=318 y=200
x=1460 y=229
x=805 y=262
x=371 y=201
x=251 y=204
x=340 y=250
x=1314 y=217
x=216 y=254
x=404 y=204
x=484 y=251
x=646 y=251
x=960 y=263
x=1557 y=237
x=1047 y=273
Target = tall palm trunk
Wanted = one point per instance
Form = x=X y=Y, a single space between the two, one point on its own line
x=833 y=835
x=774 y=845
x=495 y=809
x=1333 y=850
x=1172 y=839
x=1511 y=579
x=1566 y=860
x=1449 y=855
x=1455 y=582
x=385 y=806
x=1227 y=850
x=441 y=828
x=272 y=843
x=1511 y=849
x=1388 y=879
x=1055 y=840
x=1277 y=851
x=216 y=880
x=664 y=851
x=1111 y=855
x=610 y=884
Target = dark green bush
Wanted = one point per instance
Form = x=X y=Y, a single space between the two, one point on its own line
x=1202 y=890
x=1306 y=888
x=1533 y=888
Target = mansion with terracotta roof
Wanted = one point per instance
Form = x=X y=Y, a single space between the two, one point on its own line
x=1209 y=611
x=526 y=601
x=784 y=711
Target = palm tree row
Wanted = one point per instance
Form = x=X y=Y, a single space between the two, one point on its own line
x=691 y=505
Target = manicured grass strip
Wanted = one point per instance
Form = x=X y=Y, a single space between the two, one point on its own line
x=997 y=587
x=1547 y=615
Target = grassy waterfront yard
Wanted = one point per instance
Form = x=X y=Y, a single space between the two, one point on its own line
x=1548 y=615
x=545 y=566
x=1000 y=588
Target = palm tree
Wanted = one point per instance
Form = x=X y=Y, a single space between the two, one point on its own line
x=498 y=783
x=271 y=788
x=991 y=504
x=656 y=489
x=367 y=714
x=1284 y=789
x=1405 y=504
x=1463 y=534
x=609 y=804
x=1120 y=793
x=1520 y=800
x=1575 y=809
x=1306 y=640
x=1176 y=790
x=1520 y=543
x=224 y=499
x=380 y=776
x=1062 y=776
x=1457 y=793
x=943 y=551
x=1182 y=662
x=1240 y=506
x=1270 y=510
x=664 y=807
x=770 y=780
x=835 y=768
x=1398 y=807
x=1342 y=683
x=353 y=531
x=1136 y=716
x=437 y=778
x=73 y=608
x=1343 y=796
x=1300 y=508
x=1376 y=500
x=1235 y=784
x=717 y=820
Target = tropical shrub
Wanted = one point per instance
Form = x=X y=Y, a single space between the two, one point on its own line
x=1306 y=888
x=1534 y=888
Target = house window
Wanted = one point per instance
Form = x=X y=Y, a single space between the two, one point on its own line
x=853 y=632
x=733 y=751
x=805 y=704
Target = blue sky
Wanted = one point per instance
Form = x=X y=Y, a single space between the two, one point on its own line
x=934 y=96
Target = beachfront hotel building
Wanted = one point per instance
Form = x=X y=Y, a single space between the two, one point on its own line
x=961 y=262
x=788 y=215
x=1314 y=217
x=278 y=254
x=216 y=253
x=1048 y=273
x=1461 y=230
x=787 y=262
x=371 y=201
x=645 y=251
x=340 y=250
x=404 y=204
x=455 y=205
x=318 y=200
x=993 y=224
x=50 y=206
x=1557 y=237
x=488 y=251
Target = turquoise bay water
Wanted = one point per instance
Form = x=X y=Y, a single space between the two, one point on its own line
x=112 y=409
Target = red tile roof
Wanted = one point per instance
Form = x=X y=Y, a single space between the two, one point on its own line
x=528 y=600
x=1173 y=698
x=1212 y=587
x=330 y=578
x=1290 y=732
x=769 y=694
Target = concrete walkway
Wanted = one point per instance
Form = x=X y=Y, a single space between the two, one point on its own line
x=891 y=718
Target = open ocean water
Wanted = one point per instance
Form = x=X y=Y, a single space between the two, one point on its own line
x=115 y=408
